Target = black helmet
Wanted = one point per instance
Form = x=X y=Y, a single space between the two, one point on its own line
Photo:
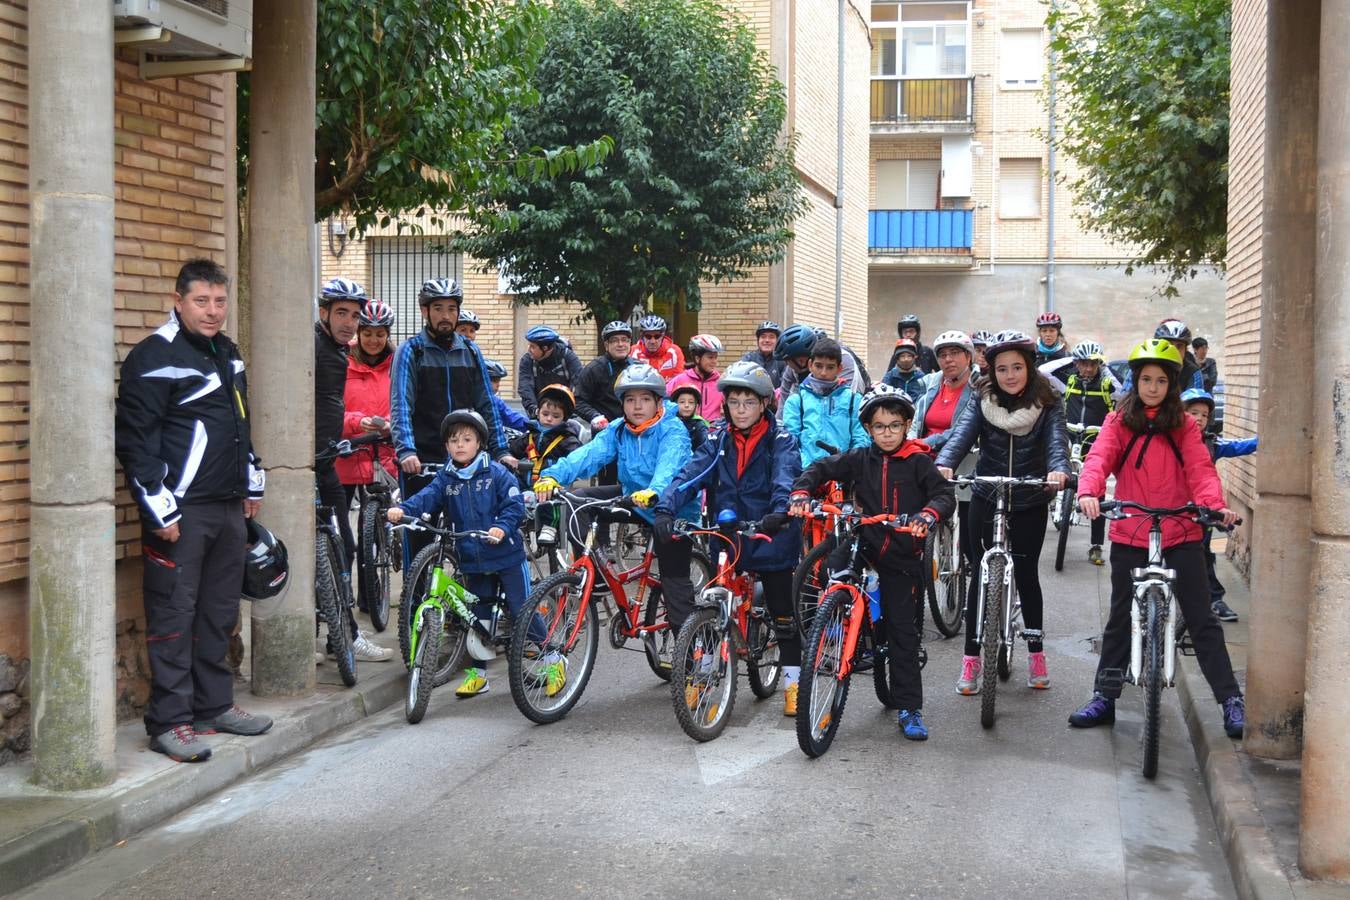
x=495 y=369
x=908 y=321
x=465 y=417
x=769 y=325
x=266 y=571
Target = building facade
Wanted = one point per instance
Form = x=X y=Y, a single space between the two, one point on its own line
x=962 y=197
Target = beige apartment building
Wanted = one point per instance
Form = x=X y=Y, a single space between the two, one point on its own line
x=801 y=39
x=962 y=200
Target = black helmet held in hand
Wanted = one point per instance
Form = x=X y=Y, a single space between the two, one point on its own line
x=266 y=570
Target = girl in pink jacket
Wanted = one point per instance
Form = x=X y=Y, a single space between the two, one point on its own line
x=1159 y=459
x=702 y=375
x=366 y=399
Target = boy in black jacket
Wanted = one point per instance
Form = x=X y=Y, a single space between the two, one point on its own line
x=546 y=440
x=895 y=475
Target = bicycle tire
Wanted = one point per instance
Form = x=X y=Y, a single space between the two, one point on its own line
x=422 y=677
x=945 y=590
x=332 y=604
x=881 y=668
x=1153 y=680
x=560 y=604
x=373 y=583
x=763 y=662
x=414 y=591
x=657 y=646
x=808 y=580
x=713 y=687
x=1065 y=523
x=822 y=694
x=993 y=618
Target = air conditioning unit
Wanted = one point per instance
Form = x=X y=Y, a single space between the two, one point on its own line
x=178 y=37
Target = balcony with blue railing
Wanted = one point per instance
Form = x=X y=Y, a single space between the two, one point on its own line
x=921 y=233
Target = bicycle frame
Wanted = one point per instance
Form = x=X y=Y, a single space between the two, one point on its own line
x=1000 y=550
x=1153 y=574
x=445 y=593
x=734 y=592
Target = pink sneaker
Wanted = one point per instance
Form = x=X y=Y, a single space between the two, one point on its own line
x=968 y=685
x=1038 y=676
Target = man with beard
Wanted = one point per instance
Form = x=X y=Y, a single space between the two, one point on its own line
x=435 y=372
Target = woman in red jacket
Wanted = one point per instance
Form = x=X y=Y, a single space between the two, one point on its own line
x=366 y=399
x=1159 y=459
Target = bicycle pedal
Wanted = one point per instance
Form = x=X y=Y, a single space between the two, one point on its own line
x=1185 y=646
x=1111 y=681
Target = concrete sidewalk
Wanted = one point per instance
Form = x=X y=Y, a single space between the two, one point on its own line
x=43 y=832
x=1255 y=801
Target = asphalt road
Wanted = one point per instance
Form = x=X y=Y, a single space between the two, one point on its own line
x=615 y=801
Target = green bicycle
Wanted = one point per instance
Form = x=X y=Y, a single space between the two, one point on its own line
x=442 y=623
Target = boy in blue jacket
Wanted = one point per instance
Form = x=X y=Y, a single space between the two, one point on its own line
x=747 y=466
x=650 y=445
x=474 y=493
x=825 y=410
x=1199 y=405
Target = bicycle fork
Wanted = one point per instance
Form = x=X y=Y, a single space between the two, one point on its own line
x=1006 y=624
x=1146 y=579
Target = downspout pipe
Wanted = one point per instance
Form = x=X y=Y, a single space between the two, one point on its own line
x=839 y=191
x=1050 y=174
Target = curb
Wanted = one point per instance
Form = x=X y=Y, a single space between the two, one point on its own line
x=1252 y=861
x=27 y=859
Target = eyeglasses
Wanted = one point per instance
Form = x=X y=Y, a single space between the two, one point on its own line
x=744 y=403
x=888 y=427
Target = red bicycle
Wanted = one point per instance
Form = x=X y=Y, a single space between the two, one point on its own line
x=843 y=641
x=548 y=674
x=729 y=623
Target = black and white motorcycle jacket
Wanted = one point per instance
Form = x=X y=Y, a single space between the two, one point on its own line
x=183 y=424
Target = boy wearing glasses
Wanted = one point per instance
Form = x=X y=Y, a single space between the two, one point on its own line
x=894 y=475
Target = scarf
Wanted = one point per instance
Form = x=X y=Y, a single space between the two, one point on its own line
x=1041 y=348
x=746 y=443
x=1018 y=422
x=820 y=388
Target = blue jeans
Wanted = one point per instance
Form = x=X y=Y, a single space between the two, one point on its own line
x=515 y=584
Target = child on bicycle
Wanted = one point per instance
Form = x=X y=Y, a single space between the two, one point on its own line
x=746 y=466
x=906 y=374
x=1087 y=400
x=1159 y=459
x=1019 y=423
x=650 y=446
x=548 y=438
x=687 y=400
x=825 y=410
x=1199 y=405
x=895 y=474
x=474 y=493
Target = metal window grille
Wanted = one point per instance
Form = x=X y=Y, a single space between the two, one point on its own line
x=399 y=265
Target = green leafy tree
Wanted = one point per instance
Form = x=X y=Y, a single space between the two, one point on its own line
x=1145 y=115
x=700 y=185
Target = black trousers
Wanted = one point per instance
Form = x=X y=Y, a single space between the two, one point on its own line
x=1216 y=588
x=1192 y=592
x=899 y=583
x=191 y=590
x=332 y=493
x=1026 y=536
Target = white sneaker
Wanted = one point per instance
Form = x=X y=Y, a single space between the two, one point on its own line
x=548 y=536
x=318 y=657
x=367 y=650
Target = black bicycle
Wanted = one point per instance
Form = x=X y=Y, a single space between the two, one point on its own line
x=374 y=546
x=332 y=575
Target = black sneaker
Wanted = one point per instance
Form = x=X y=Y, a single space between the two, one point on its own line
x=233 y=721
x=1223 y=612
x=1097 y=711
x=180 y=744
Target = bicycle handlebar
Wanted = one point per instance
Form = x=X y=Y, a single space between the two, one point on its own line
x=1116 y=509
x=1070 y=481
x=422 y=525
x=893 y=521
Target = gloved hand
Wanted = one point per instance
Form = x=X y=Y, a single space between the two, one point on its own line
x=921 y=522
x=644 y=498
x=773 y=523
x=664 y=527
x=599 y=423
x=544 y=488
x=799 y=503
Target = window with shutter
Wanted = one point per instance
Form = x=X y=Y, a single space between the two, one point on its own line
x=1022 y=59
x=1019 y=188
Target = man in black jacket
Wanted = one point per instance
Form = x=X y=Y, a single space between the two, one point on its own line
x=596 y=401
x=547 y=360
x=182 y=437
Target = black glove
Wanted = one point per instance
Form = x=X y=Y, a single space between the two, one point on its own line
x=773 y=523
x=663 y=526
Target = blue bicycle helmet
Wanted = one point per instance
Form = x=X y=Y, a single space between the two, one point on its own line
x=495 y=369
x=1197 y=395
x=542 y=335
x=797 y=340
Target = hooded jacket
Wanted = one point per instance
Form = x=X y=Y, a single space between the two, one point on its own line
x=903 y=482
x=917 y=427
x=539 y=447
x=754 y=487
x=330 y=386
x=710 y=396
x=182 y=429
x=595 y=388
x=851 y=370
x=1164 y=469
x=771 y=364
x=367 y=394
x=912 y=382
x=927 y=360
x=429 y=378
x=559 y=367
x=1087 y=401
x=668 y=358
x=1044 y=449
x=830 y=419
x=649 y=457
x=482 y=495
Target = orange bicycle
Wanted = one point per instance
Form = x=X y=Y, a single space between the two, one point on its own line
x=843 y=640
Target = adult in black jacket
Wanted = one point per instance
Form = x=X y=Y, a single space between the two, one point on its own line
x=1019 y=422
x=547 y=360
x=182 y=437
x=910 y=327
x=596 y=401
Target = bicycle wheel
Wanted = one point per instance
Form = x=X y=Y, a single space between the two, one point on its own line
x=374 y=568
x=993 y=617
x=422 y=677
x=333 y=604
x=703 y=679
x=1153 y=678
x=413 y=593
x=762 y=664
x=657 y=646
x=822 y=689
x=808 y=580
x=1064 y=524
x=558 y=627
x=946 y=588
x=881 y=666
